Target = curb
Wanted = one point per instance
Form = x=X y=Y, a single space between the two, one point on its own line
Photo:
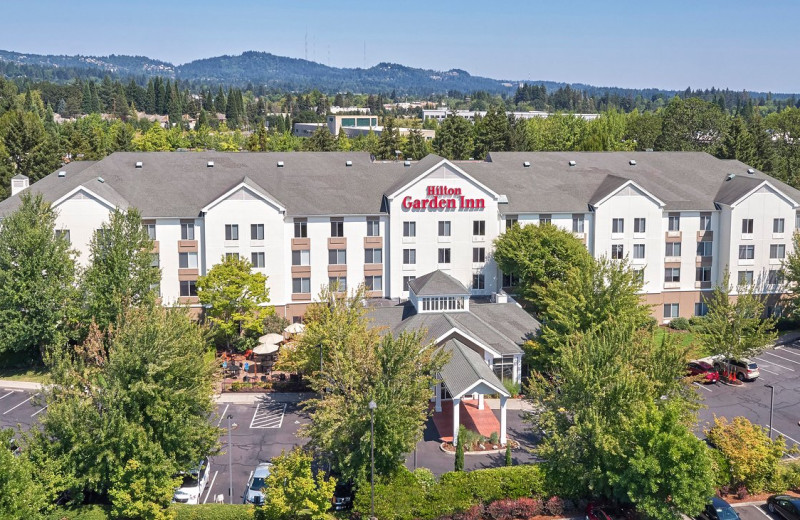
x=485 y=452
x=20 y=385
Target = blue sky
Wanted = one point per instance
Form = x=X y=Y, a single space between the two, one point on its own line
x=671 y=44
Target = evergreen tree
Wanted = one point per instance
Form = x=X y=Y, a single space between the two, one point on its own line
x=231 y=111
x=508 y=461
x=454 y=138
x=219 y=101
x=459 y=461
x=31 y=150
x=86 y=101
x=96 y=108
x=150 y=98
x=492 y=133
x=321 y=141
x=389 y=140
x=415 y=146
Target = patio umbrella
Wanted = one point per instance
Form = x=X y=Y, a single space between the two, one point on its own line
x=295 y=328
x=270 y=339
x=263 y=349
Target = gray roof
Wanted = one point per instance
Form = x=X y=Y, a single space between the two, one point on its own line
x=19 y=176
x=437 y=283
x=734 y=189
x=466 y=368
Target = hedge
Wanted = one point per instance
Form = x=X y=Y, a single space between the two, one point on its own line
x=181 y=512
x=92 y=512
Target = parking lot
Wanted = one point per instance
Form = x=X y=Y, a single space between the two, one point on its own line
x=19 y=407
x=754 y=512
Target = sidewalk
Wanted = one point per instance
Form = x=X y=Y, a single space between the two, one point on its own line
x=20 y=385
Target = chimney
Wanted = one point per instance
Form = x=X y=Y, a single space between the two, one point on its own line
x=19 y=183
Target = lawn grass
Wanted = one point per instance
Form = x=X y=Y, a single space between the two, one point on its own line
x=683 y=338
x=32 y=375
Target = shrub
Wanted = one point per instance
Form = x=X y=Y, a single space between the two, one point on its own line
x=512 y=388
x=509 y=462
x=425 y=477
x=696 y=321
x=554 y=506
x=741 y=492
x=528 y=507
x=212 y=511
x=468 y=437
x=494 y=438
x=787 y=478
x=679 y=324
x=93 y=512
x=501 y=510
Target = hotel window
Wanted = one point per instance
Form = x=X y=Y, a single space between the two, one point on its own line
x=406 y=280
x=188 y=288
x=672 y=274
x=231 y=256
x=774 y=277
x=300 y=228
x=337 y=256
x=704 y=248
x=705 y=222
x=301 y=257
x=256 y=231
x=63 y=233
x=511 y=221
x=700 y=309
x=777 y=225
x=797 y=220
x=617 y=252
x=257 y=259
x=301 y=285
x=703 y=274
x=747 y=252
x=339 y=283
x=478 y=282
x=187 y=260
x=638 y=250
x=503 y=368
x=154 y=260
x=639 y=275
x=777 y=251
x=409 y=256
x=444 y=255
x=373 y=227
x=639 y=225
x=673 y=249
x=745 y=278
x=479 y=228
x=151 y=231
x=510 y=280
x=674 y=222
x=747 y=225
x=545 y=219
x=444 y=228
x=577 y=223
x=337 y=227
x=671 y=310
x=478 y=254
x=409 y=229
x=373 y=256
x=618 y=225
x=374 y=283
x=231 y=231
x=187 y=231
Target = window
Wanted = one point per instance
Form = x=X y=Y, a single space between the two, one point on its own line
x=409 y=229
x=478 y=228
x=703 y=274
x=373 y=227
x=672 y=274
x=510 y=280
x=777 y=250
x=187 y=260
x=151 y=231
x=777 y=225
x=745 y=278
x=639 y=275
x=774 y=277
x=747 y=225
x=618 y=225
x=337 y=256
x=704 y=248
x=511 y=221
x=444 y=228
x=188 y=288
x=257 y=259
x=638 y=250
x=705 y=221
x=674 y=222
x=617 y=252
x=797 y=220
x=231 y=256
x=406 y=280
x=155 y=260
x=545 y=219
x=671 y=310
x=503 y=368
x=300 y=228
x=187 y=231
x=478 y=254
x=410 y=256
x=337 y=227
x=231 y=231
x=63 y=233
x=747 y=252
x=444 y=255
x=673 y=249
x=700 y=309
x=301 y=285
x=374 y=283
x=639 y=225
x=373 y=256
x=256 y=231
x=577 y=223
x=301 y=257
x=339 y=283
x=478 y=282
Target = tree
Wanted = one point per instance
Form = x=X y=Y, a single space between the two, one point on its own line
x=691 y=125
x=121 y=273
x=321 y=141
x=454 y=138
x=294 y=491
x=236 y=298
x=37 y=277
x=508 y=460
x=29 y=147
x=459 y=462
x=415 y=147
x=643 y=129
x=492 y=133
x=21 y=495
x=389 y=140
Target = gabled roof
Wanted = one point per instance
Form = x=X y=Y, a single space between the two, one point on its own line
x=437 y=283
x=735 y=189
x=428 y=164
x=467 y=370
x=612 y=185
x=248 y=183
x=18 y=177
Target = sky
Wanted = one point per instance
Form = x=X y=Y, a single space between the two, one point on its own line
x=670 y=44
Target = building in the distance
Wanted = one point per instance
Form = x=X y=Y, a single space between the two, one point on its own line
x=353 y=126
x=440 y=113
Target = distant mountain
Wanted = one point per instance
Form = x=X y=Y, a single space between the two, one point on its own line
x=114 y=64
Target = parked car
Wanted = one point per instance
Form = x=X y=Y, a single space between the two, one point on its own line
x=701 y=368
x=593 y=512
x=194 y=483
x=342 y=496
x=743 y=369
x=784 y=506
x=256 y=484
x=718 y=509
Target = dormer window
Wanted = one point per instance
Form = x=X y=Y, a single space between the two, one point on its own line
x=442 y=303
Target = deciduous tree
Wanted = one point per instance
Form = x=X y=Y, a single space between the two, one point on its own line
x=293 y=492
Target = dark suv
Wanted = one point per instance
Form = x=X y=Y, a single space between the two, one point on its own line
x=718 y=509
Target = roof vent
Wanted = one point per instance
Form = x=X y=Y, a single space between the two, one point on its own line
x=572 y=163
x=101 y=180
x=210 y=164
x=280 y=164
x=348 y=163
x=632 y=162
x=751 y=171
x=62 y=174
x=730 y=177
x=406 y=163
x=526 y=164
x=139 y=164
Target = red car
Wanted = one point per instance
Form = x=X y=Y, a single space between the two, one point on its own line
x=593 y=512
x=701 y=368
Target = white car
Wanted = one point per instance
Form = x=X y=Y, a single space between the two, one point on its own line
x=194 y=483
x=255 y=486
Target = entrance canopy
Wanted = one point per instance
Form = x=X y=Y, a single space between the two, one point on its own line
x=467 y=372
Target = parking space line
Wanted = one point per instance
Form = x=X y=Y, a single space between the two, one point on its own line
x=770 y=362
x=790 y=350
x=222 y=416
x=270 y=416
x=783 y=358
x=40 y=411
x=11 y=392
x=20 y=404
x=779 y=433
x=767 y=370
x=761 y=511
x=702 y=386
x=255 y=415
x=212 y=482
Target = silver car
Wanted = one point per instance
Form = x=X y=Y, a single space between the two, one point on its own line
x=194 y=483
x=255 y=486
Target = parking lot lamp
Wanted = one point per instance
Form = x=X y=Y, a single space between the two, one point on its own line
x=230 y=461
x=771 y=407
x=372 y=406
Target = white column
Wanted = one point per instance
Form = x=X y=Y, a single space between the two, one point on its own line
x=503 y=401
x=438 y=406
x=480 y=401
x=456 y=422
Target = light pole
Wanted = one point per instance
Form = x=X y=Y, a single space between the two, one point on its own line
x=771 y=407
x=230 y=461
x=372 y=406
